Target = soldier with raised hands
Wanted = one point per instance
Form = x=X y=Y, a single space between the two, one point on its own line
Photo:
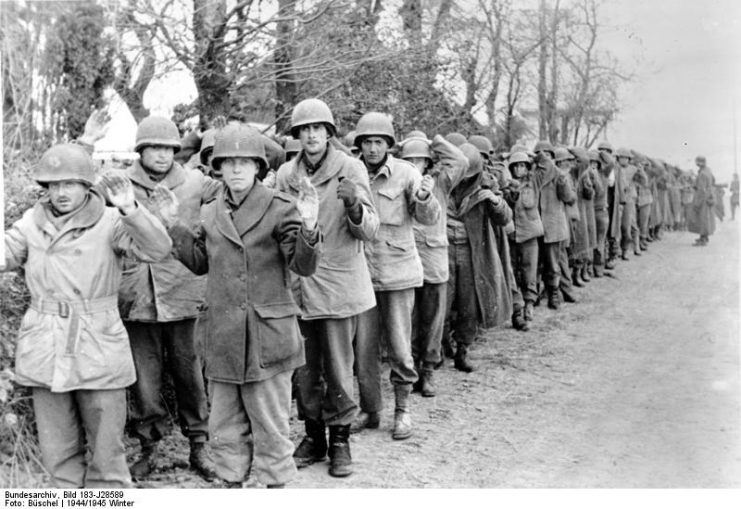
x=73 y=350
x=332 y=297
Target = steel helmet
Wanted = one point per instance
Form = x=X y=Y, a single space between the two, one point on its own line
x=700 y=159
x=157 y=131
x=579 y=153
x=623 y=152
x=415 y=147
x=67 y=161
x=312 y=111
x=475 y=162
x=545 y=146
x=374 y=123
x=518 y=157
x=238 y=141
x=594 y=156
x=482 y=143
x=207 y=144
x=456 y=139
x=605 y=145
x=415 y=134
x=559 y=154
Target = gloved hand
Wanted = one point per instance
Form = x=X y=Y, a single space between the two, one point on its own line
x=347 y=191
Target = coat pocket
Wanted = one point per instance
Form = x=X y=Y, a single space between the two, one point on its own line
x=391 y=206
x=527 y=197
x=277 y=332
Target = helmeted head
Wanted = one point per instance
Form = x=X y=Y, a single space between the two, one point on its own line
x=236 y=143
x=544 y=146
x=475 y=162
x=312 y=111
x=623 y=156
x=374 y=123
x=417 y=151
x=207 y=146
x=580 y=154
x=456 y=138
x=700 y=161
x=415 y=134
x=483 y=144
x=562 y=154
x=518 y=164
x=605 y=145
x=66 y=161
x=157 y=131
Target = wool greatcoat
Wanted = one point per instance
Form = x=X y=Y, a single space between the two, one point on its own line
x=702 y=214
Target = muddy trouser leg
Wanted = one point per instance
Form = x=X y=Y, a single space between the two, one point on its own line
x=148 y=416
x=61 y=437
x=528 y=259
x=229 y=427
x=450 y=302
x=467 y=313
x=187 y=377
x=367 y=348
x=626 y=239
x=634 y=230
x=550 y=253
x=325 y=382
x=563 y=265
x=395 y=310
x=644 y=214
x=427 y=334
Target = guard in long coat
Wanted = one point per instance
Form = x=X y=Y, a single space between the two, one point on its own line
x=249 y=238
x=72 y=347
x=702 y=218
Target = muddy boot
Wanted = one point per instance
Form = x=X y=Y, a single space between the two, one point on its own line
x=518 y=320
x=528 y=312
x=313 y=447
x=402 y=417
x=200 y=462
x=643 y=244
x=576 y=277
x=462 y=363
x=428 y=388
x=568 y=296
x=145 y=464
x=340 y=461
x=610 y=263
x=585 y=273
x=554 y=297
x=370 y=420
x=598 y=270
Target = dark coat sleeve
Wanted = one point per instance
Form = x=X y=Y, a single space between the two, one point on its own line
x=189 y=248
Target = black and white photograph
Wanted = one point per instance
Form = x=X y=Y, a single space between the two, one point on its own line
x=443 y=251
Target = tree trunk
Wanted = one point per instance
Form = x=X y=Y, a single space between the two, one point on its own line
x=209 y=69
x=286 y=88
x=542 y=84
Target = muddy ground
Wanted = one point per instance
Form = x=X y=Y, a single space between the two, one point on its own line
x=636 y=386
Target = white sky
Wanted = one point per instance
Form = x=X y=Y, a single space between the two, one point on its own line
x=680 y=105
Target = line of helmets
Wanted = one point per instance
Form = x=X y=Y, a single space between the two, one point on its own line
x=238 y=139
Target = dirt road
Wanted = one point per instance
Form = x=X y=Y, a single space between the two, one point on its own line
x=637 y=386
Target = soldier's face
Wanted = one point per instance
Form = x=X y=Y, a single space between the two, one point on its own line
x=419 y=162
x=623 y=161
x=313 y=138
x=594 y=165
x=519 y=170
x=239 y=173
x=374 y=149
x=67 y=195
x=158 y=158
x=564 y=165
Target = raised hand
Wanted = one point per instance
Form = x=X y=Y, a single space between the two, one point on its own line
x=166 y=205
x=270 y=180
x=307 y=204
x=96 y=126
x=347 y=191
x=425 y=188
x=120 y=192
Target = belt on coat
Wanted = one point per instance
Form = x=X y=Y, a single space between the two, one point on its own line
x=71 y=310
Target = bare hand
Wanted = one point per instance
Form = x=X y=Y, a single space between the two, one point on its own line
x=96 y=126
x=166 y=205
x=425 y=188
x=307 y=204
x=120 y=192
x=347 y=191
x=269 y=181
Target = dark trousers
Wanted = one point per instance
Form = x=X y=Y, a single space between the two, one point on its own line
x=428 y=321
x=644 y=214
x=550 y=253
x=160 y=347
x=602 y=222
x=462 y=315
x=325 y=382
x=525 y=265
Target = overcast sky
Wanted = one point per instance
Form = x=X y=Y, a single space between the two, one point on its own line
x=681 y=103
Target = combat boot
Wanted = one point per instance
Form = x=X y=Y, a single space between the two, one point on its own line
x=200 y=462
x=598 y=270
x=576 y=277
x=554 y=300
x=313 y=447
x=528 y=313
x=568 y=296
x=610 y=263
x=518 y=320
x=340 y=461
x=402 y=417
x=369 y=420
x=462 y=363
x=145 y=464
x=585 y=273
x=428 y=388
